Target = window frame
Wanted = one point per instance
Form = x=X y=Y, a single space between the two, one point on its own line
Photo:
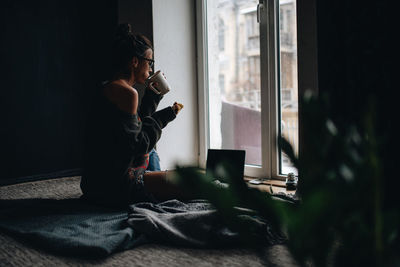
x=269 y=65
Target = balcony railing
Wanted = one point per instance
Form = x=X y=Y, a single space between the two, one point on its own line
x=241 y=129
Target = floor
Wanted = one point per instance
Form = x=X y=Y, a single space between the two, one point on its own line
x=17 y=252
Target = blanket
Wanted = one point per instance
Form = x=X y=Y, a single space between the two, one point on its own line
x=68 y=227
x=195 y=224
x=74 y=227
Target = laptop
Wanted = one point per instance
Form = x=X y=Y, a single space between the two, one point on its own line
x=217 y=158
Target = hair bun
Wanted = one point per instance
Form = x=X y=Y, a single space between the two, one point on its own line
x=124 y=30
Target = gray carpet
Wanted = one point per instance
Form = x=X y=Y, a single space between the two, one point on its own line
x=16 y=252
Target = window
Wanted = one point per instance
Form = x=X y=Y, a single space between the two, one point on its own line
x=252 y=30
x=222 y=84
x=288 y=115
x=221 y=35
x=247 y=103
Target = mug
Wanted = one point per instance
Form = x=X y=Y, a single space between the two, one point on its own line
x=162 y=84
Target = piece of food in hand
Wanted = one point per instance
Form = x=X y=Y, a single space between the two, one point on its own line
x=177 y=107
x=180 y=106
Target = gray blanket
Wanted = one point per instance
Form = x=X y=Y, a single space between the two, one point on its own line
x=68 y=227
x=195 y=224
x=73 y=227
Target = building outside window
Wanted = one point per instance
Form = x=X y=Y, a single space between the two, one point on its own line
x=221 y=35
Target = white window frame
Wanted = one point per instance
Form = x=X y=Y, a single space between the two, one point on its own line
x=269 y=28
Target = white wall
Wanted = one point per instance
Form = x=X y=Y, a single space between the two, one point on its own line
x=175 y=54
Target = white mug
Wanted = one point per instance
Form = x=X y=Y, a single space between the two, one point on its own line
x=162 y=84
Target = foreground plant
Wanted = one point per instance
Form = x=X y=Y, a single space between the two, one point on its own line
x=341 y=220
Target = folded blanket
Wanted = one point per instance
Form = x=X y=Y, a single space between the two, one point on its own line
x=74 y=227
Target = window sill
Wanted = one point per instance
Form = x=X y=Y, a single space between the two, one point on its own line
x=277 y=186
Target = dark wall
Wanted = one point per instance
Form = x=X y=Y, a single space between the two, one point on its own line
x=357 y=66
x=52 y=55
x=139 y=14
x=356 y=55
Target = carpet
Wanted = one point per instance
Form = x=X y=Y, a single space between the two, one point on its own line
x=18 y=252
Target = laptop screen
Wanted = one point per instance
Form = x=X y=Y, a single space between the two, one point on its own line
x=216 y=158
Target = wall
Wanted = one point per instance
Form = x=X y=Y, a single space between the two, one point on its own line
x=357 y=65
x=52 y=55
x=138 y=14
x=307 y=67
x=50 y=58
x=174 y=53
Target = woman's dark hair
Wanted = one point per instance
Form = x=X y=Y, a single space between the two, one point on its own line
x=127 y=45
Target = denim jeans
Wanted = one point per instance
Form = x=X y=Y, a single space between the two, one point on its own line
x=154 y=161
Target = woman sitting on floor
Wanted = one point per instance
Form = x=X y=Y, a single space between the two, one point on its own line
x=120 y=134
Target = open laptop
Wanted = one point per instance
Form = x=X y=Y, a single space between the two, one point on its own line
x=219 y=157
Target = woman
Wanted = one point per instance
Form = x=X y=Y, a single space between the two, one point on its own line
x=121 y=134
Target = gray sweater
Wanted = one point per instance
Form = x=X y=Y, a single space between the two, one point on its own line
x=115 y=140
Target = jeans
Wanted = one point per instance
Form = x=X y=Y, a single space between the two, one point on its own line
x=154 y=161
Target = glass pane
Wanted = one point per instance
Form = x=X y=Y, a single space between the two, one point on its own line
x=234 y=77
x=288 y=80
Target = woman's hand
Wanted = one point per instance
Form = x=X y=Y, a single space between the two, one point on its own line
x=176 y=107
x=155 y=84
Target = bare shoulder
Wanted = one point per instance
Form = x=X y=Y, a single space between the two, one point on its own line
x=123 y=96
x=119 y=89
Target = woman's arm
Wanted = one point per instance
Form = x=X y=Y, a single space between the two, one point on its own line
x=143 y=135
x=137 y=136
x=149 y=103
